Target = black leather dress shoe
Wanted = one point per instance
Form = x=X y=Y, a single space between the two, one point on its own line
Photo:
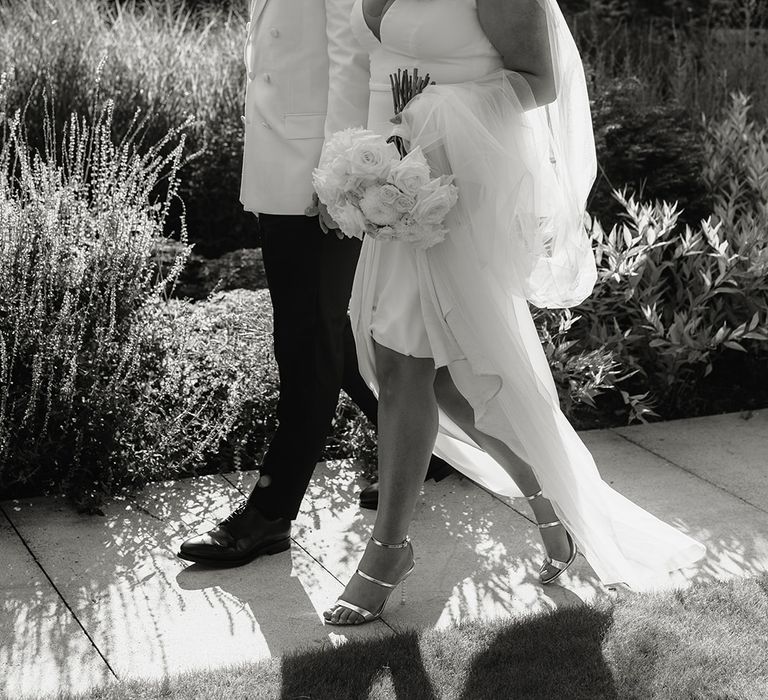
x=438 y=470
x=238 y=539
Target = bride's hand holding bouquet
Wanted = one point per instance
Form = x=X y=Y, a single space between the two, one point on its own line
x=372 y=185
x=370 y=190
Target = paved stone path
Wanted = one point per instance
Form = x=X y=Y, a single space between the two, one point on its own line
x=87 y=599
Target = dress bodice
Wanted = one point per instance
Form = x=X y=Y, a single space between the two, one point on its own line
x=440 y=37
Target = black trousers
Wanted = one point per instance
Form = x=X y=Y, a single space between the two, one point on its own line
x=309 y=274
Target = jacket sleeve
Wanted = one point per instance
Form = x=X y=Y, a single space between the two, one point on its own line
x=349 y=70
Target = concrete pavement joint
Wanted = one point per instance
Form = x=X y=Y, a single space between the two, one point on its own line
x=233 y=484
x=58 y=592
x=306 y=551
x=330 y=573
x=500 y=499
x=145 y=511
x=688 y=471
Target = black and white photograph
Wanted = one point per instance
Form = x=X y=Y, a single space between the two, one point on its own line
x=366 y=349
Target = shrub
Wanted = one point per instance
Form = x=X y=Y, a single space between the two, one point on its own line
x=226 y=341
x=719 y=12
x=80 y=312
x=655 y=150
x=156 y=57
x=672 y=301
x=694 y=65
x=582 y=375
x=217 y=370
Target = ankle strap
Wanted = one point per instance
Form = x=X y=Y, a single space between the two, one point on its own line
x=554 y=523
x=399 y=545
x=535 y=495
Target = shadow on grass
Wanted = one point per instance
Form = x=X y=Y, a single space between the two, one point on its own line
x=556 y=654
x=352 y=671
x=528 y=658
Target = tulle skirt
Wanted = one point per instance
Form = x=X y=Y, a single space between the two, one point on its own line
x=467 y=307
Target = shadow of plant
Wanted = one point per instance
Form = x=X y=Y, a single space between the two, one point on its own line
x=150 y=615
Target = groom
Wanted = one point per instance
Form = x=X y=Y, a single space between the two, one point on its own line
x=307 y=78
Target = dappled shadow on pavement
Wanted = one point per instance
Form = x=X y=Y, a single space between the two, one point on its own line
x=151 y=614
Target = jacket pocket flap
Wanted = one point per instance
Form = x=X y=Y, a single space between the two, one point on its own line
x=305 y=126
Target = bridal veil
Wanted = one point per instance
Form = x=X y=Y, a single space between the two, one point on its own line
x=517 y=235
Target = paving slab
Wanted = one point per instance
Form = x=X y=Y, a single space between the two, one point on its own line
x=476 y=558
x=152 y=614
x=728 y=450
x=734 y=532
x=42 y=648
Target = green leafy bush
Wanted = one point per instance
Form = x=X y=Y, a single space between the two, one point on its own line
x=672 y=301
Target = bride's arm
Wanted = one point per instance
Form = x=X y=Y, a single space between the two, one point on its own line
x=518 y=31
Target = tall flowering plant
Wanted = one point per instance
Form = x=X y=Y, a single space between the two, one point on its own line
x=368 y=188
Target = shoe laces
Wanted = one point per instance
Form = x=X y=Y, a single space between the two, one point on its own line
x=235 y=514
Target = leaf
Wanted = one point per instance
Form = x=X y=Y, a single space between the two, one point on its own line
x=733 y=345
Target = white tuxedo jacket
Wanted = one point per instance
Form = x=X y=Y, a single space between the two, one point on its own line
x=307 y=77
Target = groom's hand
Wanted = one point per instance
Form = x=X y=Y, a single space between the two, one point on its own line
x=318 y=209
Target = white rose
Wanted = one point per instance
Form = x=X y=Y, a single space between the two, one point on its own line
x=327 y=185
x=433 y=206
x=429 y=236
x=422 y=236
x=389 y=193
x=355 y=185
x=376 y=210
x=411 y=173
x=372 y=158
x=350 y=220
x=339 y=145
x=404 y=203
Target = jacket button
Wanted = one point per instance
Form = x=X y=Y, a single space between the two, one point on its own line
x=274 y=32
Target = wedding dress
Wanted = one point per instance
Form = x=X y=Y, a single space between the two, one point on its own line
x=464 y=302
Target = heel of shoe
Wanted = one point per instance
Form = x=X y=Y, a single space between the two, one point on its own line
x=439 y=472
x=278 y=547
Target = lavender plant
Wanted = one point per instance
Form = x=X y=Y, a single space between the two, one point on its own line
x=79 y=298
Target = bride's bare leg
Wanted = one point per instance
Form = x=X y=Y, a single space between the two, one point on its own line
x=407 y=430
x=459 y=410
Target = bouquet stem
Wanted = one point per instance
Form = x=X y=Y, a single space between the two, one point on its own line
x=404 y=88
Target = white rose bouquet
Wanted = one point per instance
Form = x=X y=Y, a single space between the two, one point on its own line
x=368 y=188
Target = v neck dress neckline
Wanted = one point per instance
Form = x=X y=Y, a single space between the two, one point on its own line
x=382 y=17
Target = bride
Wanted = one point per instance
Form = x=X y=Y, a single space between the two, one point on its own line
x=444 y=335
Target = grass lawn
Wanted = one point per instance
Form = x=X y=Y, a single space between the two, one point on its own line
x=708 y=642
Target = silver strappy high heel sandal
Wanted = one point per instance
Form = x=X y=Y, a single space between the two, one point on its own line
x=549 y=562
x=367 y=615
